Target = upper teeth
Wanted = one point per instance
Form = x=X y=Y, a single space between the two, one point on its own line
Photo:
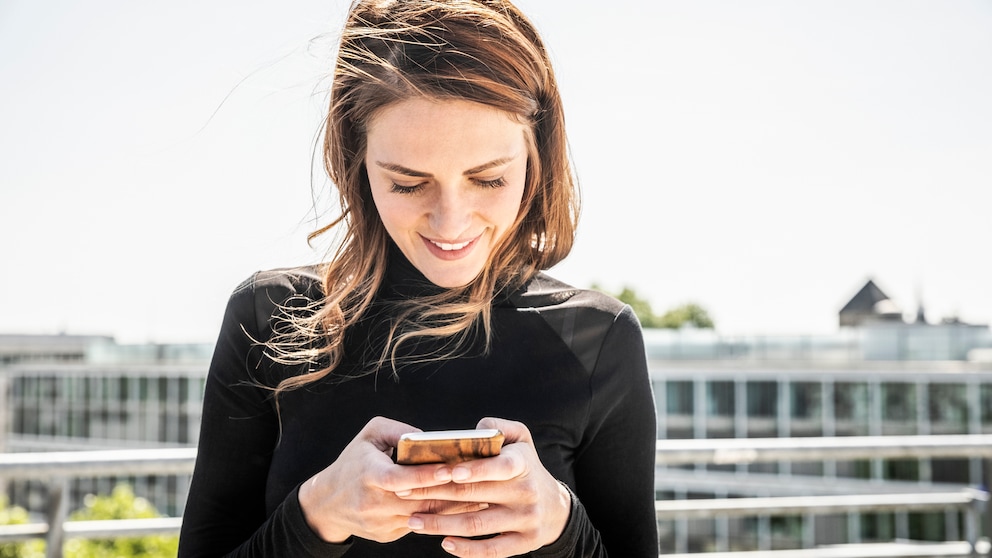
x=446 y=246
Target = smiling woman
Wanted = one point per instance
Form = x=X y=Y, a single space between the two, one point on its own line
x=449 y=216
x=445 y=140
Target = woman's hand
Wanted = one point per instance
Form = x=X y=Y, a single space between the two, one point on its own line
x=356 y=495
x=528 y=508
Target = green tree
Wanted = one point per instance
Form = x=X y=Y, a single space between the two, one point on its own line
x=15 y=515
x=121 y=504
x=640 y=306
x=690 y=313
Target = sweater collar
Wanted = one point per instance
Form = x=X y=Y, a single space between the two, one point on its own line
x=403 y=281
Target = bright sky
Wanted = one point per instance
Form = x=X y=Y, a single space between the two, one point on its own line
x=762 y=158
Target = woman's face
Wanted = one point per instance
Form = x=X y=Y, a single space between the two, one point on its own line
x=447 y=178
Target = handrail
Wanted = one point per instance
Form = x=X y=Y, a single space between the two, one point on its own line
x=725 y=451
x=105 y=528
x=42 y=465
x=797 y=505
x=968 y=500
x=668 y=452
x=59 y=466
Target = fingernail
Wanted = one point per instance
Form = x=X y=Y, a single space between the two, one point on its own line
x=404 y=493
x=448 y=545
x=483 y=506
x=460 y=474
x=442 y=474
x=415 y=523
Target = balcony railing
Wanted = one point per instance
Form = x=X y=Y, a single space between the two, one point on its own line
x=56 y=468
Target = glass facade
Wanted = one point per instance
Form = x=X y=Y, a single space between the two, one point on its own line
x=107 y=407
x=705 y=386
x=763 y=399
x=56 y=407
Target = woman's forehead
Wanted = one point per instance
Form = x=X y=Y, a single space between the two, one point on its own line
x=420 y=131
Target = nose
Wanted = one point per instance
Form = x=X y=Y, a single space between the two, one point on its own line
x=451 y=213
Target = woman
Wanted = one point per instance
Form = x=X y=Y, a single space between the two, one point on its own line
x=445 y=139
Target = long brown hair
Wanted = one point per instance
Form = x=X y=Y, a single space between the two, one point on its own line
x=484 y=51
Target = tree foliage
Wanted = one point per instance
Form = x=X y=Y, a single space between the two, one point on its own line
x=120 y=504
x=15 y=515
x=691 y=314
x=687 y=314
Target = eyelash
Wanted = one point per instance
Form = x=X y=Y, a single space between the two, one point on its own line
x=494 y=183
x=397 y=189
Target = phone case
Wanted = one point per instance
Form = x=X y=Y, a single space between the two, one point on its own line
x=447 y=446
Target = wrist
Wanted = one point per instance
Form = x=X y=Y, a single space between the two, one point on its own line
x=563 y=509
x=321 y=525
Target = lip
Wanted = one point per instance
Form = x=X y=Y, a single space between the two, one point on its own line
x=450 y=255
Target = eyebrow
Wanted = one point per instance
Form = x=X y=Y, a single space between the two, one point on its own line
x=406 y=171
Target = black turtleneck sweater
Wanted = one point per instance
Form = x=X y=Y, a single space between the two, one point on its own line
x=568 y=363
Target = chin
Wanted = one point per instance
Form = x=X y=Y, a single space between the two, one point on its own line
x=451 y=280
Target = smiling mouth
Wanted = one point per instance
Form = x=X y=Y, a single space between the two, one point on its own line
x=450 y=250
x=450 y=247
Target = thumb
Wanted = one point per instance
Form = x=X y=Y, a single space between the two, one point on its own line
x=512 y=431
x=385 y=433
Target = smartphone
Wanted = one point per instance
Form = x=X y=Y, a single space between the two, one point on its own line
x=447 y=446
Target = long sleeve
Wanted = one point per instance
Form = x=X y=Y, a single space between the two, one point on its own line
x=615 y=467
x=568 y=363
x=613 y=503
x=225 y=513
x=618 y=464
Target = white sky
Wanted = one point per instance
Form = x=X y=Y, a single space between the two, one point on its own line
x=763 y=158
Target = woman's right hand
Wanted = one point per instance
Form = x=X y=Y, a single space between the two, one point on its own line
x=356 y=495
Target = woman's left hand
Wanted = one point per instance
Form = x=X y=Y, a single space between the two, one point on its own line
x=528 y=508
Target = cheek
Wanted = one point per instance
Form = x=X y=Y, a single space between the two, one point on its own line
x=506 y=206
x=394 y=211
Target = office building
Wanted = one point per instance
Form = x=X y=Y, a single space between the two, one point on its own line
x=877 y=375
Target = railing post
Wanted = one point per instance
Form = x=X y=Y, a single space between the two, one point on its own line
x=58 y=510
x=971 y=525
x=809 y=530
x=764 y=532
x=902 y=525
x=681 y=535
x=986 y=506
x=854 y=527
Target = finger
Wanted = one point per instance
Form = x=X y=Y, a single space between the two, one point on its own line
x=403 y=479
x=491 y=521
x=384 y=433
x=442 y=507
x=511 y=463
x=509 y=544
x=512 y=430
x=467 y=507
x=451 y=492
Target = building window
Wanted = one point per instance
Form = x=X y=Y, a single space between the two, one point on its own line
x=948 y=408
x=898 y=402
x=851 y=408
x=807 y=400
x=986 y=404
x=762 y=399
x=720 y=399
x=678 y=397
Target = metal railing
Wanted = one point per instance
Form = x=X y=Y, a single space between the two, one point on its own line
x=56 y=468
x=742 y=451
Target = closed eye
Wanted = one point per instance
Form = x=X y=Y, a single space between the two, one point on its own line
x=494 y=183
x=400 y=189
